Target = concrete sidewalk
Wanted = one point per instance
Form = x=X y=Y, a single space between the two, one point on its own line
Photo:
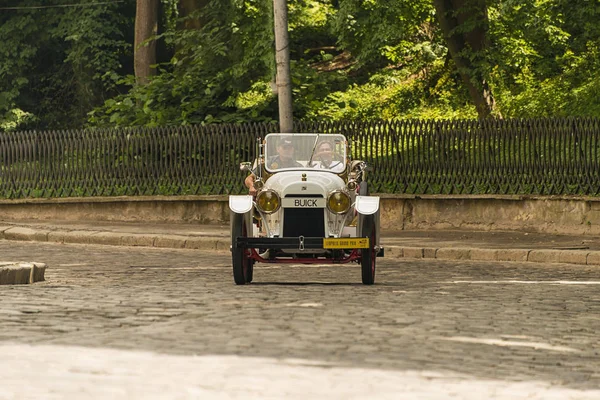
x=436 y=244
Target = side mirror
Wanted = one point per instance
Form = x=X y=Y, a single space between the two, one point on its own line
x=246 y=166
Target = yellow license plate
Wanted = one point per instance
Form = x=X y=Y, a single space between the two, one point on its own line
x=346 y=243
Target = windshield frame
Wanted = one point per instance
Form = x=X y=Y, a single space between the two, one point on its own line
x=305 y=148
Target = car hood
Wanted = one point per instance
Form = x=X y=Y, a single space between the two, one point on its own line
x=316 y=183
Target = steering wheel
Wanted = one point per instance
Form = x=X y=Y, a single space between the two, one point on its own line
x=336 y=159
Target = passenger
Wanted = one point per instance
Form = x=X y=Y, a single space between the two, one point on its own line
x=285 y=158
x=325 y=155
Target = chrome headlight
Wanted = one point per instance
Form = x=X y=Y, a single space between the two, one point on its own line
x=268 y=201
x=338 y=202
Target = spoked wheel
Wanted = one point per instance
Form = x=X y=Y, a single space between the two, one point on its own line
x=367 y=261
x=243 y=265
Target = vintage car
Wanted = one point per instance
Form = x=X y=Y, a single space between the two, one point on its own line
x=312 y=207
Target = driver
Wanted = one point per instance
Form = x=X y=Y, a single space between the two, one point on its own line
x=324 y=154
x=284 y=159
x=285 y=155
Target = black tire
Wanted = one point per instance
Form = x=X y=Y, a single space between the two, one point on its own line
x=363 y=189
x=368 y=256
x=243 y=265
x=250 y=272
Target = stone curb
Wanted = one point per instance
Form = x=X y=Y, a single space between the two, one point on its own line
x=21 y=273
x=114 y=238
x=211 y=243
x=581 y=257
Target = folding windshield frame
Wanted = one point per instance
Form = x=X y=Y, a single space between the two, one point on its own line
x=304 y=146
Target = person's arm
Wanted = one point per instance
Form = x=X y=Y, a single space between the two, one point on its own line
x=249 y=182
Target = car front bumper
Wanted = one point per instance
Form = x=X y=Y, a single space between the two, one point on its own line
x=301 y=243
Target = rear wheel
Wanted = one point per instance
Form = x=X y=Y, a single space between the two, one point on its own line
x=368 y=256
x=243 y=265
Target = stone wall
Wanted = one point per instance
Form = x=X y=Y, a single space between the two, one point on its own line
x=566 y=215
x=523 y=213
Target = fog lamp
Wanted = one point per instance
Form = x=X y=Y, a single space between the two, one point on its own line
x=338 y=202
x=268 y=201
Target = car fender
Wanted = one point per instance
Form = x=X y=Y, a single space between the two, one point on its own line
x=240 y=204
x=367 y=205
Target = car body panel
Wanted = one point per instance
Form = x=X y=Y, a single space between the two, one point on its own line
x=304 y=181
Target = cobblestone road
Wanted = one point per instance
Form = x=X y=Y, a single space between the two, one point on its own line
x=510 y=323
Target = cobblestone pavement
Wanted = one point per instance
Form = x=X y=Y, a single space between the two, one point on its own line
x=427 y=329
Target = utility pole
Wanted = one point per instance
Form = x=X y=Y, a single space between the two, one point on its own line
x=282 y=57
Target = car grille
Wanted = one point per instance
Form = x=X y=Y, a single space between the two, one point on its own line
x=308 y=222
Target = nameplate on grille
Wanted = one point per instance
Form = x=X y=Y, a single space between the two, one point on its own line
x=302 y=202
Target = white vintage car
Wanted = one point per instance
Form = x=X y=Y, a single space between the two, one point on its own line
x=312 y=207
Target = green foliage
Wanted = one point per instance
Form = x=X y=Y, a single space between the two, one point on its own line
x=58 y=63
x=378 y=32
x=544 y=52
x=364 y=59
x=211 y=77
x=396 y=94
x=15 y=118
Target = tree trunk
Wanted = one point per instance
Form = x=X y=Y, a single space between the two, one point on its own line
x=146 y=27
x=464 y=24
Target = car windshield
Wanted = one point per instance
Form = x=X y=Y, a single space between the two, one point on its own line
x=291 y=151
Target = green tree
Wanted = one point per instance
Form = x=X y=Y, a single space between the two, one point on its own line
x=465 y=26
x=224 y=52
x=544 y=52
x=58 y=63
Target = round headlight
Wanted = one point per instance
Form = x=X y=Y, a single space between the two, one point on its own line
x=338 y=202
x=268 y=201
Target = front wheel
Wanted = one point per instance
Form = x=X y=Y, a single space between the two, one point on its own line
x=243 y=265
x=368 y=256
x=363 y=189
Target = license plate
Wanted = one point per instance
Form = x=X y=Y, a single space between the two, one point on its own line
x=346 y=243
x=303 y=202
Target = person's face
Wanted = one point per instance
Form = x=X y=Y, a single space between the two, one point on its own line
x=325 y=151
x=285 y=151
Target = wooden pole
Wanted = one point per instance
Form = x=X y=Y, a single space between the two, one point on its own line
x=282 y=57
